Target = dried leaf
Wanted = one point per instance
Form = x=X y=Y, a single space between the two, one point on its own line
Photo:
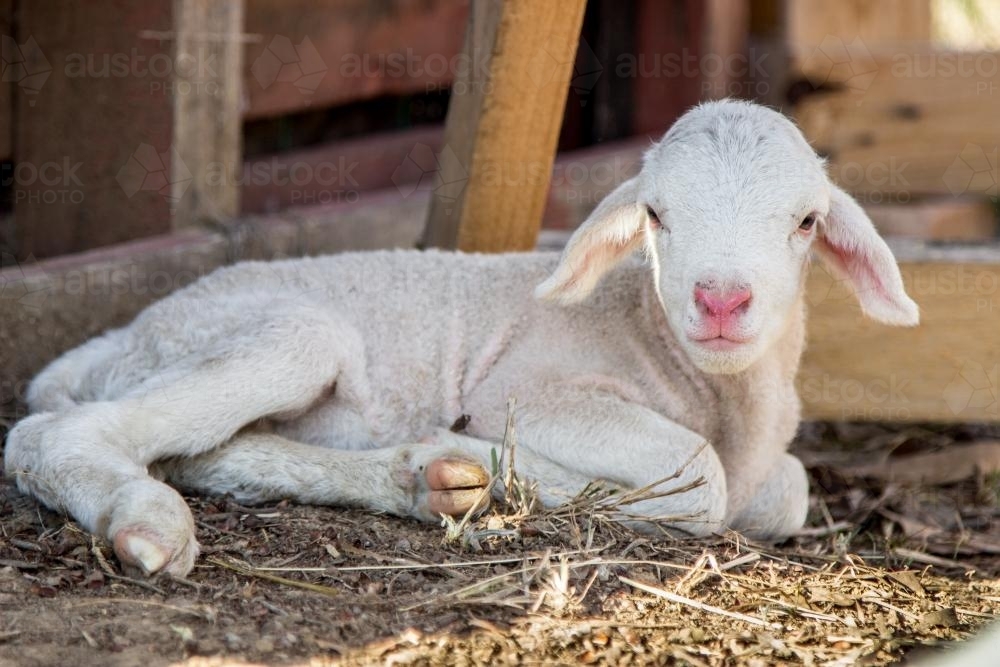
x=947 y=466
x=942 y=618
x=909 y=580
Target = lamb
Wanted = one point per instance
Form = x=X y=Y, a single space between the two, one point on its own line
x=666 y=337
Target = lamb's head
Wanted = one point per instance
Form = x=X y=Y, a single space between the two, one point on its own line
x=727 y=207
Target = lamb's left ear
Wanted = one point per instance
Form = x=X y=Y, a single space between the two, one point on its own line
x=852 y=249
x=615 y=229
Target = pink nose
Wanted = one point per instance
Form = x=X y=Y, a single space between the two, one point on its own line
x=721 y=304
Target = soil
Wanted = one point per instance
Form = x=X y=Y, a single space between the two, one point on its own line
x=883 y=571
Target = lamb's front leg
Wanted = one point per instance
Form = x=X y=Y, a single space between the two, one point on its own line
x=417 y=480
x=572 y=434
x=779 y=507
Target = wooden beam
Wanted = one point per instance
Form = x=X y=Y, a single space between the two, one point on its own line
x=944 y=370
x=938 y=218
x=503 y=125
x=208 y=132
x=347 y=50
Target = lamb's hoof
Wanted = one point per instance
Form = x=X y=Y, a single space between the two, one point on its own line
x=152 y=529
x=456 y=486
x=142 y=547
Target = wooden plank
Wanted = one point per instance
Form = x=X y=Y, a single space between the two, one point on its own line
x=347 y=50
x=342 y=171
x=927 y=122
x=6 y=85
x=207 y=128
x=946 y=369
x=503 y=125
x=725 y=71
x=115 y=145
x=667 y=32
x=941 y=218
x=811 y=23
x=100 y=105
x=811 y=43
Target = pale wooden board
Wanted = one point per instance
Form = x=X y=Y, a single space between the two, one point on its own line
x=900 y=135
x=798 y=37
x=946 y=369
x=809 y=22
x=941 y=218
x=503 y=125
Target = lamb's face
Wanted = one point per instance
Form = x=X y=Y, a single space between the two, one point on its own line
x=728 y=207
x=729 y=233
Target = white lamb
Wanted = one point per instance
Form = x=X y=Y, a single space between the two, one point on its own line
x=332 y=379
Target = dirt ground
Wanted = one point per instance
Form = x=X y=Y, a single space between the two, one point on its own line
x=884 y=570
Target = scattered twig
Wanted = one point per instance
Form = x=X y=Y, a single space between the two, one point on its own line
x=695 y=604
x=253 y=572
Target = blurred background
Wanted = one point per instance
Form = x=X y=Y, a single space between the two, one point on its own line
x=146 y=144
x=337 y=93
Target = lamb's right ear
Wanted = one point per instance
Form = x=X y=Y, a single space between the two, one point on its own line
x=615 y=229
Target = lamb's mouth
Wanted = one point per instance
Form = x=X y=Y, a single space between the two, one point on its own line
x=720 y=343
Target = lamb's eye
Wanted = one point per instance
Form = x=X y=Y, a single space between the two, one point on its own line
x=653 y=218
x=808 y=222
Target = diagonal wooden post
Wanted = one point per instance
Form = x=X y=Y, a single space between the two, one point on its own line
x=503 y=124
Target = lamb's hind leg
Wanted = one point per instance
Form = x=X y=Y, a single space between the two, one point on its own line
x=90 y=460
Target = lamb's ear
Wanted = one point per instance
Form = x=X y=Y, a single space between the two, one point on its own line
x=852 y=249
x=615 y=229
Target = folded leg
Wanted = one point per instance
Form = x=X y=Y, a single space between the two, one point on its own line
x=90 y=460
